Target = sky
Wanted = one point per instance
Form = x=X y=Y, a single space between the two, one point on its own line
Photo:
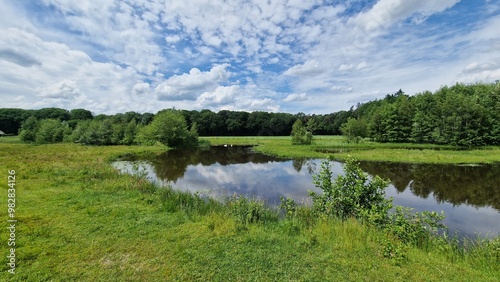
x=244 y=55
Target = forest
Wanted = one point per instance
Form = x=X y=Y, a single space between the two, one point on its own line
x=465 y=115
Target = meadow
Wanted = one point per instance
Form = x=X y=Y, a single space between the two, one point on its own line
x=336 y=147
x=78 y=219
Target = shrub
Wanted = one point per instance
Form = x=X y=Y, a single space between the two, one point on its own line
x=417 y=228
x=353 y=194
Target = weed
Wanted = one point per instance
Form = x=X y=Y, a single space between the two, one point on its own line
x=247 y=210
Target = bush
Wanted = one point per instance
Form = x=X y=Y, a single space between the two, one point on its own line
x=353 y=194
x=417 y=228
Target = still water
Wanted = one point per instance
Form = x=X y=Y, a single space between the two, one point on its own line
x=469 y=195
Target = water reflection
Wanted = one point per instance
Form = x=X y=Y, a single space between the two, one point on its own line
x=469 y=196
x=478 y=186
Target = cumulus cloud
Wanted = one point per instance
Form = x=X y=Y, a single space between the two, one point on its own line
x=173 y=38
x=140 y=89
x=189 y=86
x=485 y=71
x=295 y=97
x=65 y=89
x=62 y=76
x=222 y=95
x=121 y=56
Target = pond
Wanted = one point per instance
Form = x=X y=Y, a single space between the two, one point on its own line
x=469 y=195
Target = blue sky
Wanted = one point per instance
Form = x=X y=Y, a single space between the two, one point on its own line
x=283 y=56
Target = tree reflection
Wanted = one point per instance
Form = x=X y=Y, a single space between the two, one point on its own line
x=472 y=185
x=172 y=165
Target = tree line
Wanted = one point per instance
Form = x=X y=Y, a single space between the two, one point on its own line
x=460 y=115
x=463 y=115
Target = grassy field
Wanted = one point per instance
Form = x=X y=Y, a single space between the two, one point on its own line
x=78 y=219
x=335 y=146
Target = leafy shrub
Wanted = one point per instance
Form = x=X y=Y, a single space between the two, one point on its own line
x=397 y=252
x=417 y=228
x=353 y=194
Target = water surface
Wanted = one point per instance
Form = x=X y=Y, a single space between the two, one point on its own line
x=469 y=195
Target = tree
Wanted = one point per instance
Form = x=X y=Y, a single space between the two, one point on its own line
x=52 y=113
x=354 y=130
x=300 y=135
x=50 y=131
x=29 y=130
x=80 y=114
x=12 y=119
x=130 y=133
x=169 y=128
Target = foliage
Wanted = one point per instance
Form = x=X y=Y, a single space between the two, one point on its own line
x=300 y=134
x=415 y=228
x=51 y=131
x=169 y=128
x=353 y=194
x=354 y=130
x=29 y=130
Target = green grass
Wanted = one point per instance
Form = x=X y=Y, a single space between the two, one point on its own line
x=80 y=220
x=371 y=151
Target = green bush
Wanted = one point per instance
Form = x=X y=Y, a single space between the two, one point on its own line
x=353 y=194
x=415 y=228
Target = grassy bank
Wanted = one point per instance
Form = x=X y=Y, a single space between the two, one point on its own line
x=78 y=219
x=371 y=151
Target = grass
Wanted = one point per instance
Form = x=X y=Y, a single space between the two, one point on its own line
x=80 y=220
x=369 y=151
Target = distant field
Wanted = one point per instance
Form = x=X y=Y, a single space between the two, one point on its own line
x=10 y=139
x=336 y=147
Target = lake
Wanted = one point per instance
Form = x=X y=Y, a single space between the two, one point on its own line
x=469 y=195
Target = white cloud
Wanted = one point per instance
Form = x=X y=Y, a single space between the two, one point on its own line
x=362 y=65
x=189 y=86
x=344 y=67
x=485 y=71
x=222 y=95
x=62 y=77
x=141 y=89
x=122 y=56
x=64 y=89
x=387 y=12
x=172 y=38
x=309 y=68
x=117 y=27
x=295 y=97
